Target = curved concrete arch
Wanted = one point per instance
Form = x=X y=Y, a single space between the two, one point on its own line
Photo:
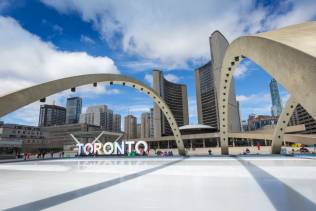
x=287 y=54
x=18 y=99
x=283 y=121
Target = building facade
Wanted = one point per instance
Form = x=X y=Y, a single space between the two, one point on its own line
x=146 y=122
x=58 y=136
x=51 y=115
x=101 y=115
x=301 y=116
x=207 y=79
x=207 y=107
x=73 y=107
x=175 y=96
x=276 y=108
x=130 y=127
x=108 y=120
x=138 y=130
x=256 y=122
x=21 y=137
x=94 y=115
x=116 y=123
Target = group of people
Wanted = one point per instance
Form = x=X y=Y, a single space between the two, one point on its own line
x=164 y=154
x=27 y=155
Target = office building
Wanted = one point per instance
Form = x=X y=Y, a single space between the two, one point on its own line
x=116 y=123
x=256 y=122
x=94 y=115
x=138 y=130
x=152 y=128
x=73 y=107
x=130 y=127
x=51 y=115
x=276 y=108
x=301 y=116
x=100 y=115
x=207 y=79
x=146 y=122
x=175 y=96
x=20 y=138
x=108 y=120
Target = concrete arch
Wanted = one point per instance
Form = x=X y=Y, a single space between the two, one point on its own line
x=288 y=54
x=283 y=121
x=18 y=99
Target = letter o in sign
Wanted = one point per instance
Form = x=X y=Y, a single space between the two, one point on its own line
x=137 y=147
x=108 y=148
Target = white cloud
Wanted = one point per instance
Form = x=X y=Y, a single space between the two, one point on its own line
x=87 y=40
x=175 y=32
x=240 y=71
x=26 y=60
x=257 y=103
x=149 y=79
x=171 y=77
x=254 y=103
x=192 y=110
x=254 y=98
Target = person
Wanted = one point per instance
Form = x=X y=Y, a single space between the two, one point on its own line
x=209 y=152
x=247 y=151
x=51 y=154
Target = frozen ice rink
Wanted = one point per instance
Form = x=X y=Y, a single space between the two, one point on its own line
x=218 y=183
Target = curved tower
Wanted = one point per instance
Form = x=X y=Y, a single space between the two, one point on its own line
x=175 y=96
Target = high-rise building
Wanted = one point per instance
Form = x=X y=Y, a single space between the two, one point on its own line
x=145 y=125
x=130 y=127
x=116 y=123
x=151 y=135
x=73 y=107
x=276 y=108
x=139 y=127
x=99 y=115
x=94 y=115
x=175 y=96
x=301 y=116
x=51 y=115
x=108 y=120
x=206 y=97
x=207 y=79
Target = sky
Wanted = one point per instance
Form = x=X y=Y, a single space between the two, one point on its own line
x=43 y=40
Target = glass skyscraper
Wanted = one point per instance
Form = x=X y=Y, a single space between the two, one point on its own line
x=276 y=108
x=73 y=110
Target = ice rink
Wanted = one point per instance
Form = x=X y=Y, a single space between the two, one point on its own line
x=196 y=183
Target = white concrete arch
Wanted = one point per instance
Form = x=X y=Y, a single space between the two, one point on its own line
x=283 y=121
x=287 y=54
x=18 y=99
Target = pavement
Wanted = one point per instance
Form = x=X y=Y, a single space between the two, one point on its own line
x=175 y=183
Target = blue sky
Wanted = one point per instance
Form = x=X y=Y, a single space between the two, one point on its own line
x=42 y=40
